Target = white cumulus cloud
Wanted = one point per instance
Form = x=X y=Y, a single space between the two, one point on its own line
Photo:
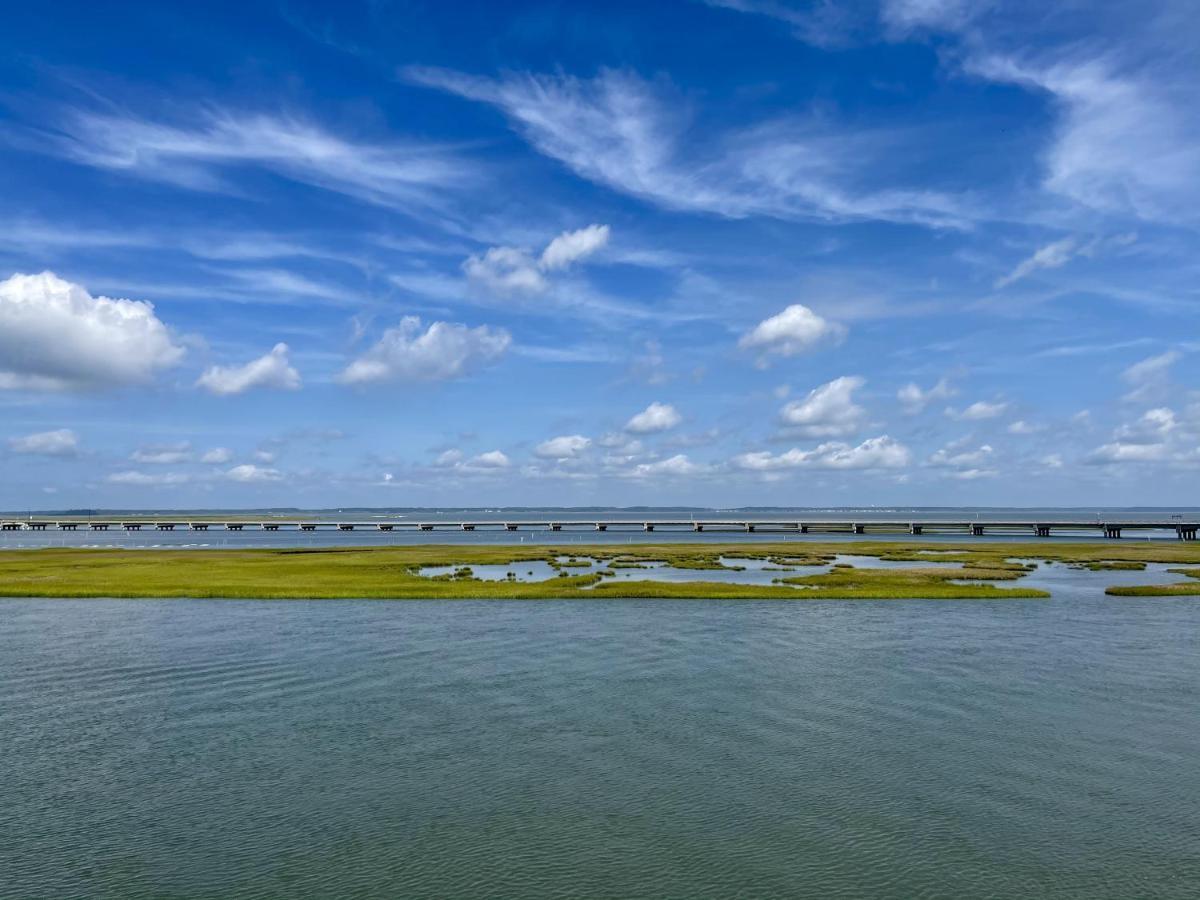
x=954 y=456
x=442 y=351
x=492 y=459
x=881 y=452
x=60 y=442
x=248 y=473
x=795 y=330
x=567 y=446
x=1154 y=425
x=217 y=456
x=978 y=411
x=914 y=399
x=456 y=460
x=573 y=245
x=54 y=335
x=1118 y=452
x=506 y=270
x=827 y=411
x=144 y=479
x=163 y=454
x=1022 y=427
x=675 y=466
x=654 y=418
x=513 y=270
x=270 y=371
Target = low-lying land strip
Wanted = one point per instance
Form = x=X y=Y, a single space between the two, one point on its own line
x=985 y=571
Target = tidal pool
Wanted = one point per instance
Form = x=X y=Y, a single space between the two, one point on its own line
x=738 y=569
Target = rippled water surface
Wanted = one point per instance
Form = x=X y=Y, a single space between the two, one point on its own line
x=615 y=748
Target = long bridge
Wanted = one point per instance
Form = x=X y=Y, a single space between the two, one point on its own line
x=1112 y=528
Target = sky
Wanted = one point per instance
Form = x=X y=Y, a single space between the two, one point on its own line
x=735 y=252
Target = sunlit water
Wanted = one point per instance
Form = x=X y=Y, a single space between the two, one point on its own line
x=603 y=748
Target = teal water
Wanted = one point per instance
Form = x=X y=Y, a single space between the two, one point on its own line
x=608 y=749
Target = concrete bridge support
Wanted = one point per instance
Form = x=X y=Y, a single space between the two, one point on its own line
x=308 y=527
x=425 y=527
x=859 y=529
x=1112 y=531
x=648 y=526
x=270 y=526
x=1186 y=532
x=68 y=526
x=234 y=526
x=199 y=526
x=915 y=529
x=600 y=526
x=99 y=526
x=1041 y=530
x=977 y=530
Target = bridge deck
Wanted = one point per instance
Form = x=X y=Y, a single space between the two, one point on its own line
x=1041 y=527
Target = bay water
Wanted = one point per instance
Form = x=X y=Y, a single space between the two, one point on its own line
x=192 y=748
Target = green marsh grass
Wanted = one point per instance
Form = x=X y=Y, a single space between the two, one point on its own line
x=393 y=572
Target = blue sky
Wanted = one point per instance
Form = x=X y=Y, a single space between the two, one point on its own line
x=927 y=252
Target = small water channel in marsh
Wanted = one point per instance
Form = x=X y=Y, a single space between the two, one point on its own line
x=758 y=571
x=735 y=569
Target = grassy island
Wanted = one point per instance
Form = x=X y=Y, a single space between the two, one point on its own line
x=991 y=570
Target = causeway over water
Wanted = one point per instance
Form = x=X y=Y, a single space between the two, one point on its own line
x=1113 y=524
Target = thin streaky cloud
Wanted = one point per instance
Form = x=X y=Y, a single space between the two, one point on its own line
x=633 y=135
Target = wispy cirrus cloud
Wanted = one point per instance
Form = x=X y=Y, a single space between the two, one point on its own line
x=202 y=149
x=1115 y=84
x=637 y=137
x=1121 y=145
x=1149 y=378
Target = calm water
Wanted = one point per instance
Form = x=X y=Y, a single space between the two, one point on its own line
x=615 y=749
